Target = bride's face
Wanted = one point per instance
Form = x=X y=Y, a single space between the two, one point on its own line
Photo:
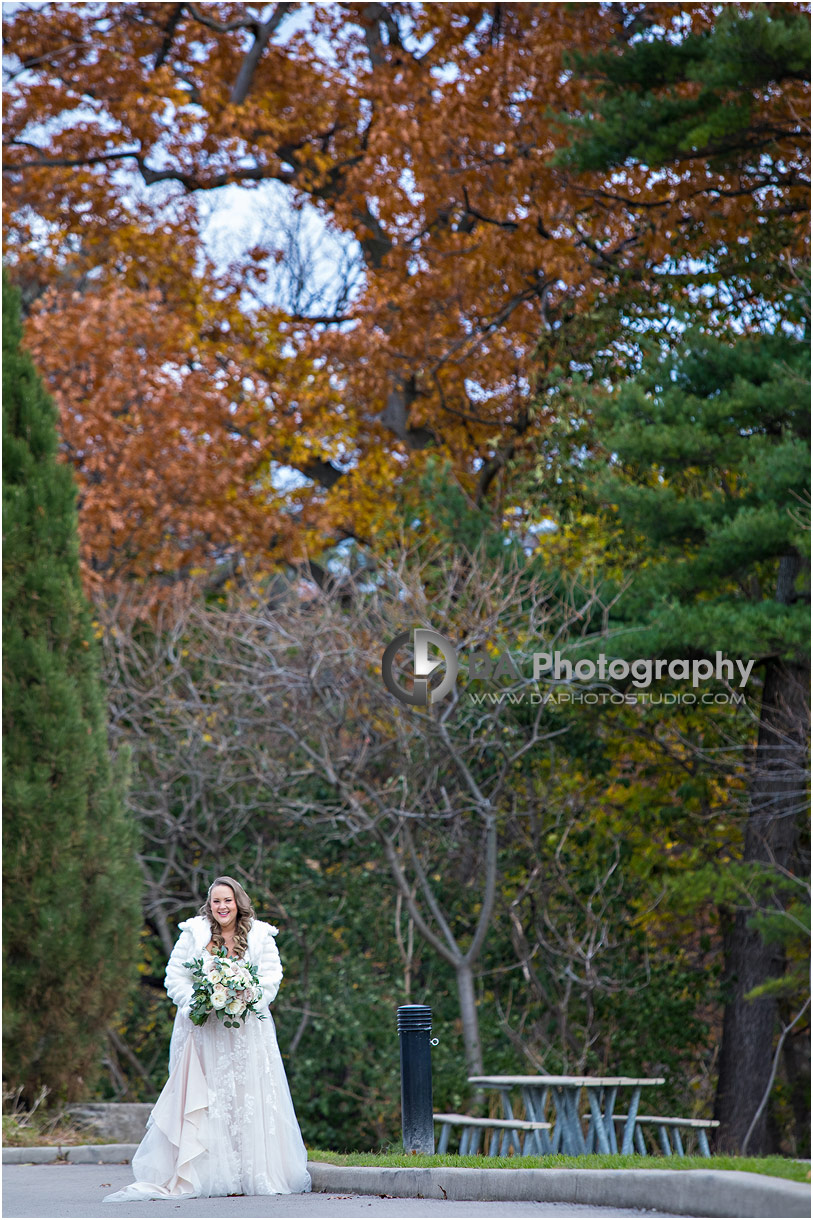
x=224 y=906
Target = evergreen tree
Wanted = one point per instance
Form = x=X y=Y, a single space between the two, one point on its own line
x=705 y=471
x=71 y=882
x=707 y=454
x=721 y=100
x=662 y=98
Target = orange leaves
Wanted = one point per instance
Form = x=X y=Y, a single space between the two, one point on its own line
x=425 y=135
x=157 y=442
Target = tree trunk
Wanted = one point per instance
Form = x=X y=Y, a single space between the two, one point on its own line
x=796 y=1054
x=468 y=1014
x=777 y=798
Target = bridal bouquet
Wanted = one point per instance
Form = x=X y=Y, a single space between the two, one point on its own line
x=227 y=988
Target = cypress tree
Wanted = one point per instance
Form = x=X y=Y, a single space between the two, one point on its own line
x=70 y=878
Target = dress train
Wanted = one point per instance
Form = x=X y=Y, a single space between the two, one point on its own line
x=224 y=1123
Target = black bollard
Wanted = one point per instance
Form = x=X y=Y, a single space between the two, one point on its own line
x=417 y=1127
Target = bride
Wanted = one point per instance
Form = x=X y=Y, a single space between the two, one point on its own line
x=224 y=1123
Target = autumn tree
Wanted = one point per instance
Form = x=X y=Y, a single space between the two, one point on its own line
x=426 y=136
x=72 y=916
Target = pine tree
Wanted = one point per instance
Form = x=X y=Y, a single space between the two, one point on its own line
x=662 y=99
x=70 y=879
x=720 y=101
x=706 y=472
x=708 y=454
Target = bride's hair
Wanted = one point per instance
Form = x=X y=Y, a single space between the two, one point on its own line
x=245 y=914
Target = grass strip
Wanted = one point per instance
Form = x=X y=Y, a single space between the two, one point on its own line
x=772 y=1166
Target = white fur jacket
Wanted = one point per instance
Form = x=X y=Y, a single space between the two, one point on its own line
x=195 y=936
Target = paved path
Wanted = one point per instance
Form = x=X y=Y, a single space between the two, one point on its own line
x=61 y=1190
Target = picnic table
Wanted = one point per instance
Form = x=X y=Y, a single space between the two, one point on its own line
x=568 y=1135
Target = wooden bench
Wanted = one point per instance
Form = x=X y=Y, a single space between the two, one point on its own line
x=700 y=1125
x=501 y=1129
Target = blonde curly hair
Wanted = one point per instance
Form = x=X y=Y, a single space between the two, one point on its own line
x=245 y=915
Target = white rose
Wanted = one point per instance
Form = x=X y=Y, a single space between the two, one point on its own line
x=220 y=997
x=235 y=1007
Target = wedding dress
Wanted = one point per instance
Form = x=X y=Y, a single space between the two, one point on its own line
x=224 y=1123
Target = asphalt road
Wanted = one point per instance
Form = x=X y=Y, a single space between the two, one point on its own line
x=62 y=1190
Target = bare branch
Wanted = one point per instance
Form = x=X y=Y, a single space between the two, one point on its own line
x=262 y=36
x=224 y=27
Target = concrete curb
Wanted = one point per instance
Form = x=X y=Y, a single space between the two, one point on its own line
x=687 y=1192
x=78 y=1154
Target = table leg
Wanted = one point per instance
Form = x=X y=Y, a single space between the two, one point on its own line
x=556 y=1137
x=598 y=1132
x=572 y=1135
x=562 y=1121
x=703 y=1142
x=507 y=1112
x=590 y=1137
x=639 y=1140
x=629 y=1125
x=535 y=1102
x=609 y=1125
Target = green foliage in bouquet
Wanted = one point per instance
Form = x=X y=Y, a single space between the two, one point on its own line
x=227 y=988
